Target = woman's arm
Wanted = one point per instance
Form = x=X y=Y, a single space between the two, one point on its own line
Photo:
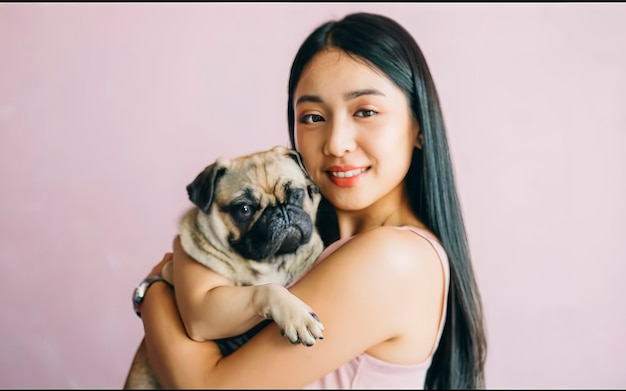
x=210 y=307
x=380 y=293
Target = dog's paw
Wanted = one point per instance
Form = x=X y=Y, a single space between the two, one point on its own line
x=304 y=331
x=296 y=320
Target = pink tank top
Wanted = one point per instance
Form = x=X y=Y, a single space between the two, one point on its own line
x=365 y=371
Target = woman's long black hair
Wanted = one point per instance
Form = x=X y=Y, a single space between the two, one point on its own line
x=381 y=42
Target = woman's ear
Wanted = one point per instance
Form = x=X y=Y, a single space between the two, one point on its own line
x=419 y=136
x=419 y=140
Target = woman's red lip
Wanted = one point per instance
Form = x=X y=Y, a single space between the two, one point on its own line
x=346 y=177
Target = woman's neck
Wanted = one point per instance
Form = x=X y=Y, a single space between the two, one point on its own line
x=391 y=214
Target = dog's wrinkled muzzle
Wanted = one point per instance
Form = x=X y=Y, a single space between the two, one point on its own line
x=279 y=230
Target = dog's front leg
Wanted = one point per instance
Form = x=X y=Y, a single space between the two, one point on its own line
x=296 y=320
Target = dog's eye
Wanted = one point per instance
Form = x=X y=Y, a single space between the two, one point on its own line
x=296 y=197
x=243 y=213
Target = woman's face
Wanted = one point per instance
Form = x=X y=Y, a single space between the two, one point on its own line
x=354 y=129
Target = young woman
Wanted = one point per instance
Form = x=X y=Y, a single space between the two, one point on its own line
x=395 y=288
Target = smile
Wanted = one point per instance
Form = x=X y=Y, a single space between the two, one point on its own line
x=347 y=174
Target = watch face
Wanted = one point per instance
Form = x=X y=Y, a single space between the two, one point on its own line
x=138 y=297
x=140 y=291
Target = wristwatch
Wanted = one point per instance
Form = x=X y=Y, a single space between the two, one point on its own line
x=141 y=290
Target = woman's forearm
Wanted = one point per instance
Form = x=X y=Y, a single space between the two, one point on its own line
x=224 y=311
x=175 y=359
x=207 y=302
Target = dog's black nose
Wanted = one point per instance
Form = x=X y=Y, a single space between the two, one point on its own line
x=291 y=242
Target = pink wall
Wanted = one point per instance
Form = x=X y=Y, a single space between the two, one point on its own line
x=107 y=111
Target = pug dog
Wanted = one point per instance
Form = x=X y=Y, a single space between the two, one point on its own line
x=254 y=222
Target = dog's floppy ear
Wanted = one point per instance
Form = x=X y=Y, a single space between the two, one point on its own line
x=202 y=189
x=295 y=155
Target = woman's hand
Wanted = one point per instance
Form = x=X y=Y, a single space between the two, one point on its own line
x=157 y=270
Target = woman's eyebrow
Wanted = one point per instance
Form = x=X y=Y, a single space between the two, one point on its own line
x=357 y=93
x=308 y=98
x=347 y=96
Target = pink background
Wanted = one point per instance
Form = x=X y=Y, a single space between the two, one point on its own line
x=107 y=112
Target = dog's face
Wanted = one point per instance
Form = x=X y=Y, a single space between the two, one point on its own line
x=261 y=205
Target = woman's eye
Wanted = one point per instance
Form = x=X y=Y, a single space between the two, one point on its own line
x=366 y=113
x=311 y=118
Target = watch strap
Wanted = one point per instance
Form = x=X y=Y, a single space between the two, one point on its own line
x=142 y=288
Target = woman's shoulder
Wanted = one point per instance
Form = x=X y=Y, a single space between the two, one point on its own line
x=391 y=242
x=405 y=252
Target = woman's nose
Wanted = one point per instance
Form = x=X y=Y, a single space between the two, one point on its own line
x=341 y=139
